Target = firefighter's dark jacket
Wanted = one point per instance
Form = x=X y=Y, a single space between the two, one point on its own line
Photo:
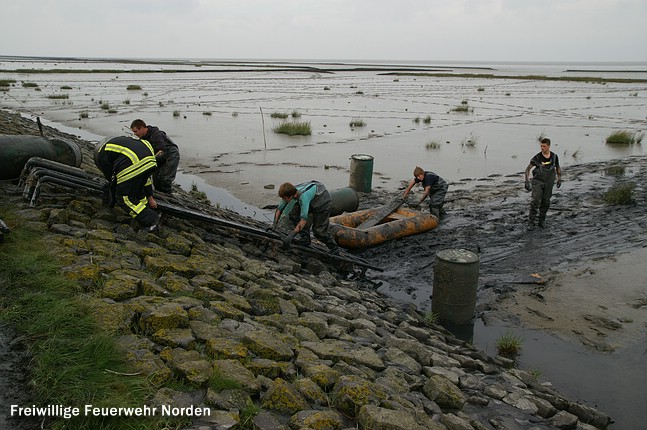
x=122 y=158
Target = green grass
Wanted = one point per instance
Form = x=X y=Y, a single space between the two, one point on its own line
x=72 y=362
x=30 y=85
x=508 y=345
x=296 y=114
x=294 y=128
x=58 y=96
x=614 y=170
x=434 y=144
x=84 y=114
x=7 y=82
x=134 y=87
x=620 y=194
x=463 y=107
x=279 y=115
x=625 y=137
x=176 y=113
x=66 y=87
x=357 y=122
x=427 y=119
x=105 y=105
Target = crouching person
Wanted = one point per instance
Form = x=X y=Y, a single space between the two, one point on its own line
x=128 y=164
x=308 y=198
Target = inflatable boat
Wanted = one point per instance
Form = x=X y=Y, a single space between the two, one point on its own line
x=354 y=229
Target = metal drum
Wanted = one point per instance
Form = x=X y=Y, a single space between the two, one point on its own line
x=361 y=173
x=456 y=275
x=343 y=200
x=15 y=150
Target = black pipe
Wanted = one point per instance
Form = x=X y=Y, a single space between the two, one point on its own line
x=53 y=165
x=58 y=181
x=39 y=172
x=185 y=213
x=90 y=183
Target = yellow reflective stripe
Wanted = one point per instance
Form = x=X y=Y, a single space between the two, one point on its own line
x=122 y=150
x=149 y=182
x=135 y=209
x=130 y=172
x=148 y=145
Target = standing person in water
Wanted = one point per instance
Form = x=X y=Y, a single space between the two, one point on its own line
x=546 y=170
x=167 y=154
x=434 y=186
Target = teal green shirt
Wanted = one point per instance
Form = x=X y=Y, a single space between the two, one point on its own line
x=306 y=192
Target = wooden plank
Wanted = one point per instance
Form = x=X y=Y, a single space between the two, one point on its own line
x=387 y=209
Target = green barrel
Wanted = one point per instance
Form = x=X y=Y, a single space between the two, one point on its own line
x=343 y=200
x=15 y=150
x=456 y=275
x=361 y=173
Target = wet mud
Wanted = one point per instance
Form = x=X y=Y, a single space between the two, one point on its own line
x=538 y=276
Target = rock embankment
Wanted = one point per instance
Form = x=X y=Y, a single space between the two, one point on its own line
x=198 y=303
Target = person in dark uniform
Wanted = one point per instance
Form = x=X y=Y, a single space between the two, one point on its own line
x=435 y=187
x=300 y=201
x=546 y=168
x=166 y=153
x=128 y=164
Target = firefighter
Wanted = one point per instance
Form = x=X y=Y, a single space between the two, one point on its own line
x=128 y=164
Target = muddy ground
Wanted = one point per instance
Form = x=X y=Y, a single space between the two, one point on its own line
x=581 y=278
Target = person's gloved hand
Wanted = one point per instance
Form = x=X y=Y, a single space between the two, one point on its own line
x=559 y=182
x=109 y=194
x=527 y=185
x=287 y=241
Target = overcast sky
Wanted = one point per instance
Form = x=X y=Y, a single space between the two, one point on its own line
x=426 y=30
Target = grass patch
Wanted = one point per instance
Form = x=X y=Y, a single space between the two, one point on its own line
x=470 y=141
x=279 y=115
x=357 y=122
x=7 y=82
x=207 y=113
x=105 y=105
x=58 y=96
x=427 y=120
x=620 y=194
x=134 y=87
x=463 y=107
x=70 y=356
x=247 y=415
x=294 y=129
x=625 y=137
x=66 y=87
x=614 y=170
x=296 y=114
x=508 y=345
x=176 y=113
x=431 y=318
x=434 y=144
x=30 y=84
x=84 y=114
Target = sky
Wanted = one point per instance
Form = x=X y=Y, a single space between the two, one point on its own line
x=397 y=30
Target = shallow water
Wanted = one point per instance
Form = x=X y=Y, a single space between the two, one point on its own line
x=235 y=148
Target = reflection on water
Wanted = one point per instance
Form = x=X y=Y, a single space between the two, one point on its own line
x=614 y=383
